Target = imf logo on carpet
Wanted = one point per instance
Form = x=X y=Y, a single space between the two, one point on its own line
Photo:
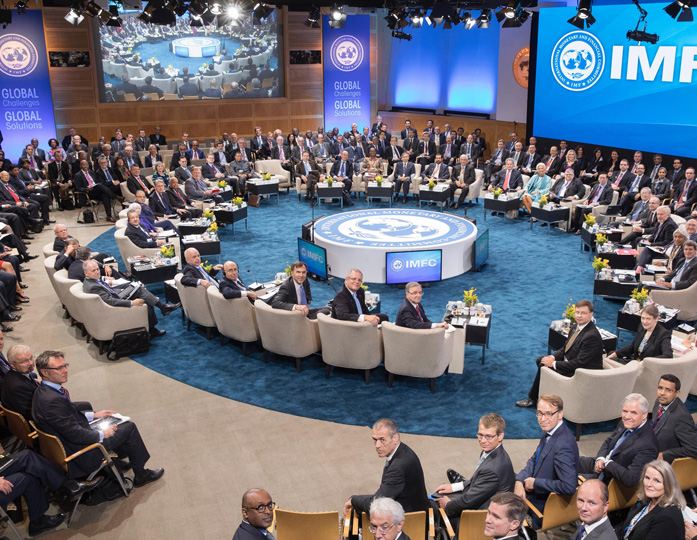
x=578 y=60
x=346 y=53
x=394 y=228
x=18 y=56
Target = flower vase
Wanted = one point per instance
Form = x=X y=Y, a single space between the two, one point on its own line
x=430 y=188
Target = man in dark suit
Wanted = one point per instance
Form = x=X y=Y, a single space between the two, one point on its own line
x=530 y=160
x=676 y=174
x=436 y=171
x=553 y=162
x=349 y=302
x=231 y=285
x=195 y=152
x=282 y=153
x=470 y=149
x=632 y=193
x=508 y=178
x=25 y=185
x=85 y=182
x=686 y=274
x=179 y=200
x=308 y=173
x=493 y=474
x=342 y=171
x=661 y=236
x=387 y=519
x=54 y=412
x=160 y=205
x=647 y=220
x=592 y=502
x=672 y=423
x=403 y=172
x=321 y=152
x=20 y=382
x=567 y=188
x=402 y=476
x=294 y=293
x=148 y=218
x=148 y=88
x=257 y=515
x=137 y=234
x=131 y=158
x=631 y=446
x=425 y=151
x=583 y=349
x=4 y=364
x=194 y=274
x=411 y=145
x=106 y=176
x=553 y=467
x=411 y=313
x=404 y=134
x=622 y=179
x=496 y=163
x=462 y=178
x=393 y=154
x=60 y=177
x=157 y=138
x=685 y=194
x=600 y=195
x=128 y=87
x=449 y=151
x=187 y=88
x=142 y=142
x=505 y=517
x=180 y=153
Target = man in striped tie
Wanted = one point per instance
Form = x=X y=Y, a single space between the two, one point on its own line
x=411 y=313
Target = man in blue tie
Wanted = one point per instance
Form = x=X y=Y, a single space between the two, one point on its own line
x=349 y=302
x=294 y=293
x=592 y=503
x=159 y=202
x=308 y=173
x=601 y=194
x=195 y=274
x=686 y=274
x=624 y=453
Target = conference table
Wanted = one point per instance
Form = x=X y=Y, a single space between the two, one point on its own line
x=146 y=271
x=325 y=191
x=618 y=256
x=230 y=214
x=502 y=204
x=619 y=285
x=478 y=329
x=439 y=195
x=631 y=322
x=375 y=191
x=264 y=188
x=613 y=234
x=556 y=214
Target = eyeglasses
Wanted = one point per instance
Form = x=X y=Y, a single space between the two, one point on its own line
x=541 y=414
x=58 y=368
x=381 y=529
x=418 y=293
x=485 y=436
x=262 y=507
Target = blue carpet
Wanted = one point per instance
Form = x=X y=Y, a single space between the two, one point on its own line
x=530 y=278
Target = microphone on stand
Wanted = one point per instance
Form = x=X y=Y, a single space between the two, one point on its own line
x=256 y=285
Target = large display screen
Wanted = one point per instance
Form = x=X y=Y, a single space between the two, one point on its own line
x=595 y=86
x=220 y=61
x=315 y=257
x=406 y=266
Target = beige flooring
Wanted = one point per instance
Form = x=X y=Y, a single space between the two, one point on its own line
x=212 y=448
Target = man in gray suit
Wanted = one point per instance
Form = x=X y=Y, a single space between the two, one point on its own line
x=321 y=151
x=592 y=505
x=94 y=284
x=197 y=189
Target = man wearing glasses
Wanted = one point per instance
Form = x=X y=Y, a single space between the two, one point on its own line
x=387 y=520
x=493 y=473
x=583 y=349
x=257 y=516
x=411 y=313
x=55 y=413
x=554 y=464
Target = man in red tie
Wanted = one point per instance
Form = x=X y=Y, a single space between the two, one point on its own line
x=137 y=181
x=411 y=313
x=508 y=178
x=672 y=423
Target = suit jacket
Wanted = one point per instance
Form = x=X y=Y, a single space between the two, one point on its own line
x=515 y=182
x=605 y=197
x=470 y=176
x=275 y=153
x=390 y=155
x=286 y=297
x=142 y=143
x=348 y=171
x=574 y=189
x=401 y=170
x=183 y=174
x=134 y=185
x=443 y=171
x=140 y=238
x=658 y=346
x=475 y=151
x=530 y=166
x=402 y=480
x=229 y=289
x=209 y=171
x=662 y=523
x=317 y=151
x=688 y=276
x=493 y=476
x=630 y=457
x=80 y=183
x=604 y=531
x=409 y=318
x=663 y=235
x=556 y=467
x=18 y=392
x=174 y=198
x=644 y=212
x=627 y=179
x=248 y=532
x=159 y=140
x=135 y=158
x=150 y=163
x=300 y=168
x=158 y=206
x=554 y=167
x=691 y=195
x=585 y=352
x=675 y=431
x=645 y=181
x=101 y=176
x=191 y=275
x=495 y=156
x=195 y=154
x=429 y=146
x=412 y=144
x=344 y=307
x=176 y=156
x=194 y=189
x=52 y=172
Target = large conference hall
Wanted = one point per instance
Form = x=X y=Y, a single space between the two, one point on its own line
x=490 y=203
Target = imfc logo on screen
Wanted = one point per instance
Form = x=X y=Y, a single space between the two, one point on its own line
x=346 y=53
x=18 y=56
x=398 y=264
x=307 y=254
x=578 y=60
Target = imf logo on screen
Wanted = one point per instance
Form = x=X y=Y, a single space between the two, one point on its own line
x=398 y=265
x=578 y=60
x=18 y=56
x=346 y=53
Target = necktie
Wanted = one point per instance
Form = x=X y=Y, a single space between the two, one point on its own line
x=636 y=183
x=343 y=168
x=680 y=271
x=529 y=161
x=684 y=192
x=619 y=178
x=597 y=194
x=164 y=203
x=90 y=183
x=206 y=276
x=130 y=163
x=468 y=149
x=505 y=182
x=358 y=305
x=244 y=155
x=580 y=533
x=4 y=363
x=515 y=158
x=303 y=297
x=106 y=286
x=31 y=162
x=435 y=171
x=563 y=189
x=34 y=377
x=65 y=392
x=541 y=446
x=322 y=147
x=636 y=214
x=307 y=168
x=550 y=162
x=481 y=460
x=280 y=153
x=462 y=174
x=140 y=181
x=623 y=437
x=418 y=312
x=108 y=176
x=396 y=150
x=571 y=340
x=180 y=197
x=661 y=410
x=447 y=152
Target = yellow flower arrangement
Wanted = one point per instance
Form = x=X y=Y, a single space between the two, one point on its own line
x=431 y=184
x=589 y=220
x=600 y=239
x=213 y=228
x=570 y=311
x=470 y=297
x=543 y=200
x=364 y=286
x=287 y=269
x=207 y=266
x=599 y=264
x=167 y=251
x=640 y=295
x=378 y=179
x=222 y=184
x=497 y=193
x=266 y=176
x=208 y=214
x=237 y=201
x=330 y=180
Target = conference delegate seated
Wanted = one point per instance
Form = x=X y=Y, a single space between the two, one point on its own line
x=508 y=178
x=646 y=222
x=194 y=274
x=137 y=181
x=634 y=188
x=231 y=286
x=294 y=294
x=662 y=236
x=371 y=166
x=426 y=150
x=159 y=202
x=570 y=163
x=308 y=173
x=403 y=172
x=84 y=253
x=672 y=423
x=178 y=199
x=685 y=194
x=494 y=165
x=651 y=340
x=349 y=302
x=411 y=313
x=197 y=189
x=462 y=178
x=153 y=156
x=436 y=171
x=342 y=171
x=530 y=160
x=241 y=170
x=601 y=194
x=567 y=188
x=137 y=234
x=536 y=188
x=686 y=274
x=660 y=186
x=85 y=182
x=213 y=171
x=147 y=216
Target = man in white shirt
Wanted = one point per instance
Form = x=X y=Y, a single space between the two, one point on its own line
x=592 y=505
x=686 y=274
x=505 y=516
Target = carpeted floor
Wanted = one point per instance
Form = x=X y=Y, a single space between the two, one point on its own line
x=529 y=279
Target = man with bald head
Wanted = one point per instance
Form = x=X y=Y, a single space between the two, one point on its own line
x=231 y=285
x=257 y=516
x=195 y=274
x=592 y=505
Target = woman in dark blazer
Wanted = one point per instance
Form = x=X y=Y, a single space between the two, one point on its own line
x=658 y=512
x=153 y=157
x=652 y=340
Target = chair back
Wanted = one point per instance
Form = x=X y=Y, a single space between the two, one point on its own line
x=621 y=496
x=348 y=344
x=129 y=249
x=287 y=333
x=126 y=193
x=51 y=448
x=48 y=250
x=235 y=318
x=472 y=523
x=62 y=284
x=304 y=525
x=195 y=303
x=559 y=510
x=49 y=266
x=416 y=353
x=19 y=427
x=685 y=470
x=650 y=370
x=415 y=526
x=685 y=300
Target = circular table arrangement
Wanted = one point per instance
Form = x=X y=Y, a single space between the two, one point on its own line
x=362 y=238
x=195 y=47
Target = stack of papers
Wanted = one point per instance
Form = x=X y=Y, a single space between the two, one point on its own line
x=478 y=321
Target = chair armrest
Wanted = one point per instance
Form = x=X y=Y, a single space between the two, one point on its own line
x=431 y=525
x=448 y=526
x=533 y=508
x=95 y=446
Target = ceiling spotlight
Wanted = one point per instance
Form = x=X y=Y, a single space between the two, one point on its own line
x=401 y=35
x=583 y=18
x=681 y=8
x=75 y=15
x=216 y=7
x=484 y=19
x=147 y=13
x=417 y=19
x=469 y=21
x=21 y=7
x=233 y=11
x=261 y=11
x=640 y=35
x=337 y=18
x=114 y=19
x=163 y=14
x=313 y=17
x=507 y=12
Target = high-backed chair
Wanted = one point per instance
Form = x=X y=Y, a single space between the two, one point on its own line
x=685 y=300
x=273 y=167
x=573 y=204
x=416 y=525
x=62 y=286
x=19 y=427
x=121 y=223
x=416 y=353
x=235 y=318
x=305 y=525
x=126 y=193
x=470 y=526
x=559 y=510
x=685 y=470
x=195 y=305
x=102 y=321
x=348 y=344
x=599 y=211
x=48 y=250
x=287 y=333
x=129 y=249
x=474 y=189
x=49 y=266
x=591 y=395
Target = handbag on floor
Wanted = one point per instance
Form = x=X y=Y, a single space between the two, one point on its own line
x=128 y=342
x=253 y=200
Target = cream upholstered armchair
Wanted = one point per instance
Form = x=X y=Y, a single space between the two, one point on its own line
x=62 y=284
x=101 y=320
x=348 y=344
x=475 y=188
x=591 y=395
x=48 y=250
x=195 y=305
x=49 y=266
x=599 y=211
x=235 y=318
x=573 y=204
x=685 y=300
x=121 y=223
x=650 y=370
x=416 y=353
x=273 y=167
x=287 y=333
x=129 y=249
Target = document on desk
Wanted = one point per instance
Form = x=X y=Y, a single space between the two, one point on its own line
x=269 y=294
x=478 y=321
x=166 y=234
x=120 y=281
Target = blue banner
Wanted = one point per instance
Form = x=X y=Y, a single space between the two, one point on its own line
x=594 y=86
x=421 y=266
x=25 y=87
x=346 y=53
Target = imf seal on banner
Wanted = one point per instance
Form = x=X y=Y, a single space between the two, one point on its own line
x=346 y=53
x=18 y=56
x=578 y=60
x=521 y=67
